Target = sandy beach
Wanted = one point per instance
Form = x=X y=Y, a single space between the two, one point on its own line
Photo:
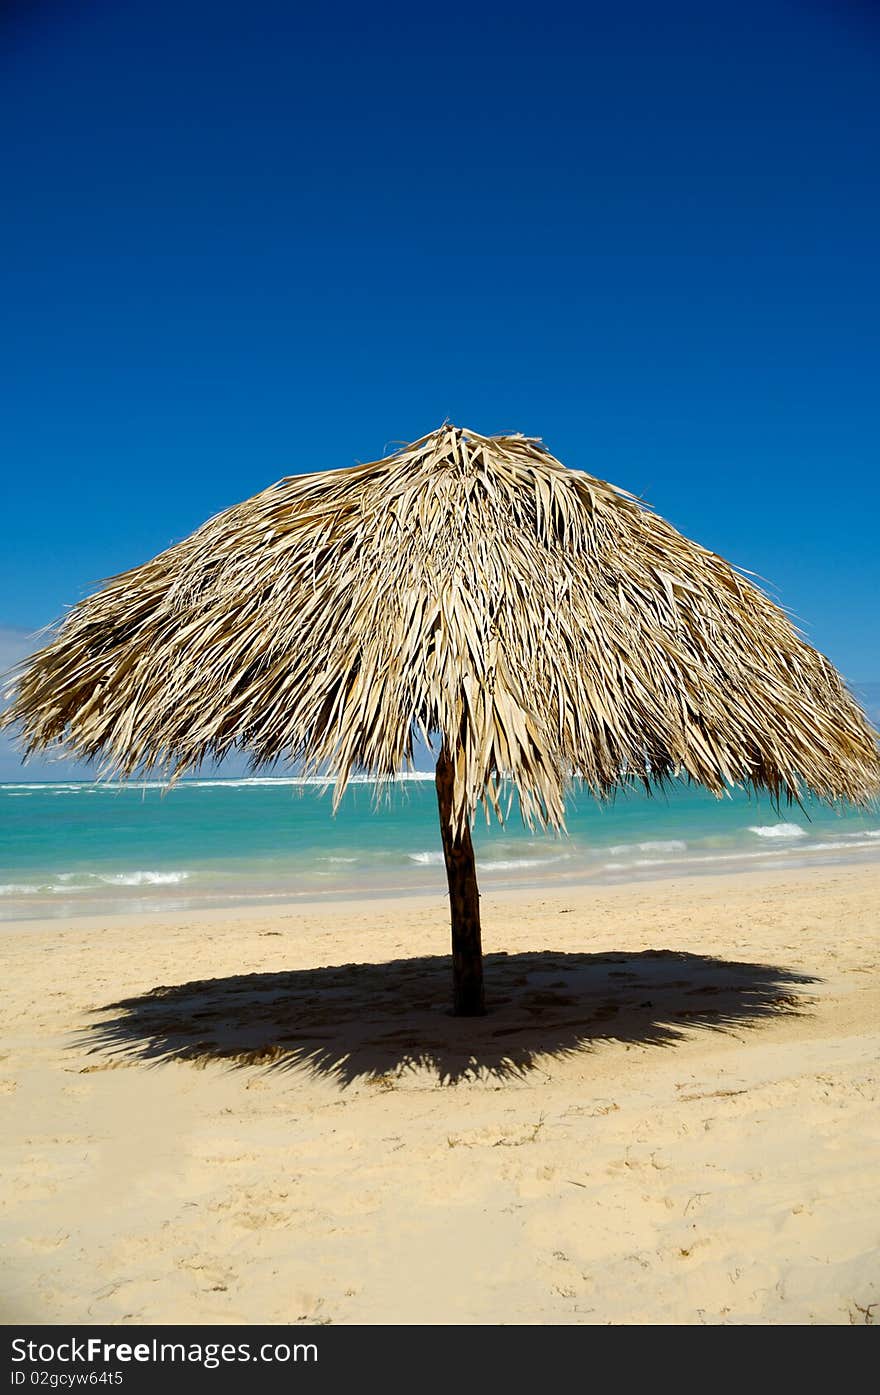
x=669 y=1115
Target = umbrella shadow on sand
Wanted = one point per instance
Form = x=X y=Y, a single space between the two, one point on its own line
x=380 y=1021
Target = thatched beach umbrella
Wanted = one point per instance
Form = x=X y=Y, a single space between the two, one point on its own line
x=529 y=621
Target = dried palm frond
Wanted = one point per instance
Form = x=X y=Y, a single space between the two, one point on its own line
x=544 y=625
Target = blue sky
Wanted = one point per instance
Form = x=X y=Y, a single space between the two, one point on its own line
x=241 y=241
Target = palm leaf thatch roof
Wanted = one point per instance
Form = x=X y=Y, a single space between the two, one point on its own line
x=541 y=623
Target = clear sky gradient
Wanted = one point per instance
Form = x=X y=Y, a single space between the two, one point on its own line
x=246 y=240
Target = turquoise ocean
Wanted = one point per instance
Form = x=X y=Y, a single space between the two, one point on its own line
x=70 y=847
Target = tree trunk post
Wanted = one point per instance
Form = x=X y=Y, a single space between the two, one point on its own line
x=464 y=899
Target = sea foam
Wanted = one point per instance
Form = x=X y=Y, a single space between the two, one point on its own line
x=778 y=830
x=508 y=864
x=656 y=845
x=144 y=878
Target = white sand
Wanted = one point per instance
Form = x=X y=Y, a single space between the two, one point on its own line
x=624 y=1139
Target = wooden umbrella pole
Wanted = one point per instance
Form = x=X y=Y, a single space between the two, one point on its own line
x=464 y=899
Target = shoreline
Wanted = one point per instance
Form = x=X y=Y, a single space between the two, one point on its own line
x=773 y=863
x=376 y=910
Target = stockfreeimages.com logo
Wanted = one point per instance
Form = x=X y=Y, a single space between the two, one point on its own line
x=93 y=1351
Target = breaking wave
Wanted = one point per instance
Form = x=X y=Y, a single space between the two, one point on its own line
x=509 y=864
x=657 y=845
x=69 y=883
x=144 y=878
x=778 y=830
